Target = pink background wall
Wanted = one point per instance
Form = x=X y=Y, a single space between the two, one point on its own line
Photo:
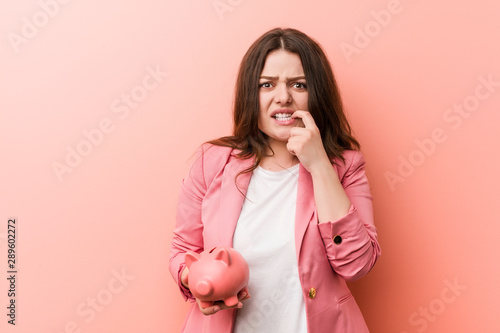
x=102 y=104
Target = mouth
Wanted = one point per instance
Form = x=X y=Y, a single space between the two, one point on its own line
x=282 y=116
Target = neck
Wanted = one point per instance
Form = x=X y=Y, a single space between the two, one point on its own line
x=279 y=158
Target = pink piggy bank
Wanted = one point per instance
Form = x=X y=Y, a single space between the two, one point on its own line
x=218 y=274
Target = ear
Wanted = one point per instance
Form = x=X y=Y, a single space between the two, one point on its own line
x=223 y=255
x=191 y=257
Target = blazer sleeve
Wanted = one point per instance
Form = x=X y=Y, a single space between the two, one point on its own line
x=210 y=160
x=351 y=242
x=188 y=232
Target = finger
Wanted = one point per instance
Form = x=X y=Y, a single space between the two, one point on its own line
x=243 y=296
x=299 y=123
x=306 y=118
x=297 y=131
x=210 y=310
x=291 y=148
x=185 y=277
x=221 y=305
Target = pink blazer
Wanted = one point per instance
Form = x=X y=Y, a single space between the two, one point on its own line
x=329 y=254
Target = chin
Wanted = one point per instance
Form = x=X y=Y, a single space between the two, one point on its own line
x=280 y=138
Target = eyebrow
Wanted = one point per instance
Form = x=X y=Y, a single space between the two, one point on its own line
x=288 y=78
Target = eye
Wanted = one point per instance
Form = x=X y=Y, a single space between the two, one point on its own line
x=265 y=85
x=299 y=85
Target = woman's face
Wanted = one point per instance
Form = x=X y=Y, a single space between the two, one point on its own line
x=282 y=91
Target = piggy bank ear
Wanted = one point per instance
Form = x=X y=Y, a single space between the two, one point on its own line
x=223 y=255
x=191 y=257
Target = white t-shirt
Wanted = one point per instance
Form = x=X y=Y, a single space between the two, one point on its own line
x=265 y=236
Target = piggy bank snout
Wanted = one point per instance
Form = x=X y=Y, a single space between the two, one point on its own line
x=204 y=288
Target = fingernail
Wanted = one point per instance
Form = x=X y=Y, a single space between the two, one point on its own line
x=243 y=295
x=216 y=309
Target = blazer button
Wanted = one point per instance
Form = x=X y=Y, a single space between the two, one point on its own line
x=337 y=239
x=312 y=293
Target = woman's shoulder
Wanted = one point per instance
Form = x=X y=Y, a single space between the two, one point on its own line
x=353 y=161
x=209 y=156
x=350 y=157
x=353 y=156
x=213 y=151
x=207 y=161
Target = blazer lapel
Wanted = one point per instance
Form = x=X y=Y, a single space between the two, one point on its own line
x=232 y=198
x=305 y=206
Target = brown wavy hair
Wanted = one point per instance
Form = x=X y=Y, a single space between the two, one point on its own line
x=324 y=100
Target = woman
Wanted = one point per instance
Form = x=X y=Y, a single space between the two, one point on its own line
x=288 y=190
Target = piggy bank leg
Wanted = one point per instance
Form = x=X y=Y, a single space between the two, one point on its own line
x=231 y=301
x=205 y=304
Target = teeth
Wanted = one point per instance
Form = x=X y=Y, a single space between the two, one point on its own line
x=283 y=116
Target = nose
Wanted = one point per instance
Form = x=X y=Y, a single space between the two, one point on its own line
x=282 y=96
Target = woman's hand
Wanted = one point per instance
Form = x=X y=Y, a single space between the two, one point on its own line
x=218 y=305
x=184 y=277
x=305 y=142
